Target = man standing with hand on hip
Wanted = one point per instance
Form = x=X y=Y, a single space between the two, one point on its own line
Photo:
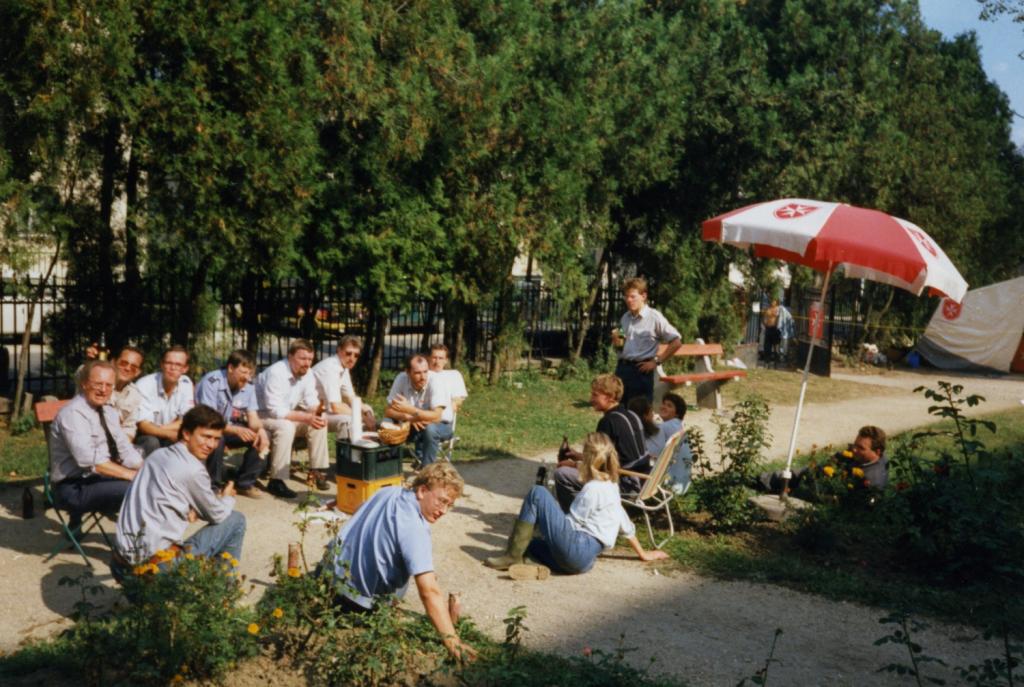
x=642 y=329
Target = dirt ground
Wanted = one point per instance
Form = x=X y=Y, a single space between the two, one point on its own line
x=707 y=631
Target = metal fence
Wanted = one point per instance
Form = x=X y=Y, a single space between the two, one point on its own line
x=65 y=322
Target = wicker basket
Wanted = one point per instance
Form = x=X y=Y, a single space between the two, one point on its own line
x=392 y=434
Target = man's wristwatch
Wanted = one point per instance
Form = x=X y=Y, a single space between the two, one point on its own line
x=657 y=360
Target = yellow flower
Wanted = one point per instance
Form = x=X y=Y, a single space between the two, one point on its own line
x=277 y=613
x=140 y=569
x=857 y=472
x=849 y=486
x=226 y=556
x=189 y=557
x=828 y=470
x=164 y=555
x=177 y=678
x=847 y=454
x=253 y=628
x=294 y=572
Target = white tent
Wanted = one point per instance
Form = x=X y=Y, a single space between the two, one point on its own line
x=984 y=331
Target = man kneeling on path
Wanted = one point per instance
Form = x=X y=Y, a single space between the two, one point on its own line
x=387 y=541
x=864 y=462
x=173 y=489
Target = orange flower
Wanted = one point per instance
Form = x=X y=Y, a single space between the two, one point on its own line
x=847 y=454
x=294 y=572
x=253 y=629
x=828 y=470
x=857 y=472
x=277 y=613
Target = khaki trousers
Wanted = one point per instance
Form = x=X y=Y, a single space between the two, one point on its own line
x=282 y=435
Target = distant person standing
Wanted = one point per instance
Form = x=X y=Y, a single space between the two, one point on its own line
x=642 y=329
x=772 y=334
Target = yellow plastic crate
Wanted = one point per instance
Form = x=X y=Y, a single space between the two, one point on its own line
x=353 y=493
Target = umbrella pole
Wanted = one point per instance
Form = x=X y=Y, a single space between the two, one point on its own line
x=787 y=474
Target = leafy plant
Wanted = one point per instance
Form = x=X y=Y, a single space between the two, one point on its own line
x=723 y=490
x=902 y=635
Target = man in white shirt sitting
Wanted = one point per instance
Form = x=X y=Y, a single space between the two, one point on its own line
x=166 y=396
x=173 y=489
x=438 y=361
x=290 y=407
x=334 y=386
x=422 y=399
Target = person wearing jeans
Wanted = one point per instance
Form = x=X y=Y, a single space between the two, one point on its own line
x=419 y=397
x=173 y=489
x=570 y=542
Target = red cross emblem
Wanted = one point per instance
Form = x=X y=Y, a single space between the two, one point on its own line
x=794 y=211
x=951 y=309
x=922 y=238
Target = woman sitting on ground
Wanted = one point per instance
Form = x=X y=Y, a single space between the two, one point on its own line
x=572 y=542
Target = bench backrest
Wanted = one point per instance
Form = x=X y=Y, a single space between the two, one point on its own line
x=45 y=412
x=696 y=349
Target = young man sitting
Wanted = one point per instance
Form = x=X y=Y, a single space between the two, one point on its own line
x=173 y=489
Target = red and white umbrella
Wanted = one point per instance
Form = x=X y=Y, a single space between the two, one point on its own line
x=867 y=244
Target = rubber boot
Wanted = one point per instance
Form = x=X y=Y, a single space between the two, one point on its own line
x=520 y=538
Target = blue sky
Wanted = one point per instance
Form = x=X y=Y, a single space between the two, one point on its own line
x=1001 y=43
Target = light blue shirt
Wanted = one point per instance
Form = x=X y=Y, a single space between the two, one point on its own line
x=213 y=390
x=383 y=545
x=154 y=514
x=78 y=443
x=160 y=408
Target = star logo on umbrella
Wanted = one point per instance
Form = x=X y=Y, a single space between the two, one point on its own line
x=951 y=309
x=794 y=211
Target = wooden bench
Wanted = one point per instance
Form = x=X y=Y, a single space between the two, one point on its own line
x=708 y=380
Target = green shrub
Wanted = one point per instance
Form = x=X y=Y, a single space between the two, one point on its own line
x=723 y=490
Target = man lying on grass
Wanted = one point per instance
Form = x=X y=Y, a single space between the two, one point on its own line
x=864 y=464
x=387 y=541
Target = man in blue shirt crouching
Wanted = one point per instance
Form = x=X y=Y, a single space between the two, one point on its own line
x=387 y=541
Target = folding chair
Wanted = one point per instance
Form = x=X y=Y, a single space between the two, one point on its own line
x=447 y=448
x=45 y=413
x=655 y=494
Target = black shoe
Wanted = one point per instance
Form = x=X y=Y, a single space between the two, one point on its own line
x=279 y=488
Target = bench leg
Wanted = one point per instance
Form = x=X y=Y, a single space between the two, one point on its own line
x=709 y=396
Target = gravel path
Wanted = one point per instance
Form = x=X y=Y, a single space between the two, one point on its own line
x=707 y=631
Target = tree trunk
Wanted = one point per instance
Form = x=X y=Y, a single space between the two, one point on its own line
x=380 y=330
x=105 y=258
x=428 y=325
x=26 y=334
x=132 y=273
x=250 y=313
x=588 y=306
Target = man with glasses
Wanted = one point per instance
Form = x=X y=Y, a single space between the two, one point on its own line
x=92 y=461
x=166 y=396
x=126 y=397
x=334 y=386
x=387 y=543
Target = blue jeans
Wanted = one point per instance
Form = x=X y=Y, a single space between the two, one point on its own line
x=224 y=537
x=563 y=548
x=429 y=439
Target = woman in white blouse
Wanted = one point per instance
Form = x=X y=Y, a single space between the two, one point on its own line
x=572 y=542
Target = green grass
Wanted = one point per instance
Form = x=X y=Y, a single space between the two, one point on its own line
x=766 y=553
x=22 y=456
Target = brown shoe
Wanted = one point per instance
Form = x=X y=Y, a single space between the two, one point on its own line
x=319 y=478
x=529 y=571
x=249 y=492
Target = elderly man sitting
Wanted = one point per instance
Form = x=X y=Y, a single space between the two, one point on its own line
x=92 y=463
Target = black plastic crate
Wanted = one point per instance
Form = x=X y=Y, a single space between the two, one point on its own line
x=367 y=464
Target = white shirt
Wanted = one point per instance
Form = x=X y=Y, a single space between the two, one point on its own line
x=279 y=391
x=597 y=510
x=456 y=384
x=435 y=394
x=157 y=406
x=333 y=381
